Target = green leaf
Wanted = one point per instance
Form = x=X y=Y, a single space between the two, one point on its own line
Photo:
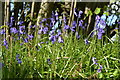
x=100 y=75
x=115 y=72
x=90 y=12
x=106 y=13
x=97 y=10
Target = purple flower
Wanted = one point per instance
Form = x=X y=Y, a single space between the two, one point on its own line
x=74 y=23
x=42 y=42
x=102 y=24
x=103 y=17
x=86 y=41
x=99 y=70
x=44 y=20
x=60 y=40
x=72 y=28
x=17 y=56
x=100 y=31
x=75 y=12
x=48 y=61
x=64 y=19
x=97 y=18
x=40 y=31
x=56 y=15
x=45 y=30
x=18 y=60
x=30 y=37
x=94 y=60
x=52 y=32
x=13 y=30
x=2 y=31
x=26 y=40
x=1 y=65
x=21 y=32
x=52 y=21
x=21 y=27
x=99 y=35
x=80 y=23
x=77 y=35
x=52 y=38
x=11 y=21
x=111 y=20
x=80 y=12
x=59 y=32
x=66 y=27
x=20 y=22
x=5 y=43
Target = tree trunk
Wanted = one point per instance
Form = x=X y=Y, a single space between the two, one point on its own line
x=45 y=10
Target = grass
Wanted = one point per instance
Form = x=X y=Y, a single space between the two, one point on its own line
x=71 y=59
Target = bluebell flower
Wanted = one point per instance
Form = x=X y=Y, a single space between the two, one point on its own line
x=43 y=20
x=97 y=18
x=30 y=36
x=47 y=24
x=13 y=30
x=94 y=60
x=1 y=65
x=72 y=28
x=111 y=20
x=75 y=12
x=48 y=61
x=21 y=27
x=52 y=38
x=59 y=32
x=80 y=23
x=20 y=22
x=17 y=56
x=21 y=32
x=18 y=60
x=77 y=35
x=99 y=35
x=42 y=42
x=26 y=40
x=102 y=24
x=5 y=43
x=79 y=15
x=52 y=21
x=60 y=40
x=74 y=24
x=66 y=27
x=2 y=31
x=52 y=32
x=56 y=15
x=64 y=19
x=100 y=32
x=11 y=21
x=45 y=30
x=86 y=42
x=99 y=70
x=103 y=17
x=40 y=31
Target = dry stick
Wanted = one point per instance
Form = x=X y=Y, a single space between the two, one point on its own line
x=73 y=10
x=7 y=17
x=32 y=12
x=71 y=13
